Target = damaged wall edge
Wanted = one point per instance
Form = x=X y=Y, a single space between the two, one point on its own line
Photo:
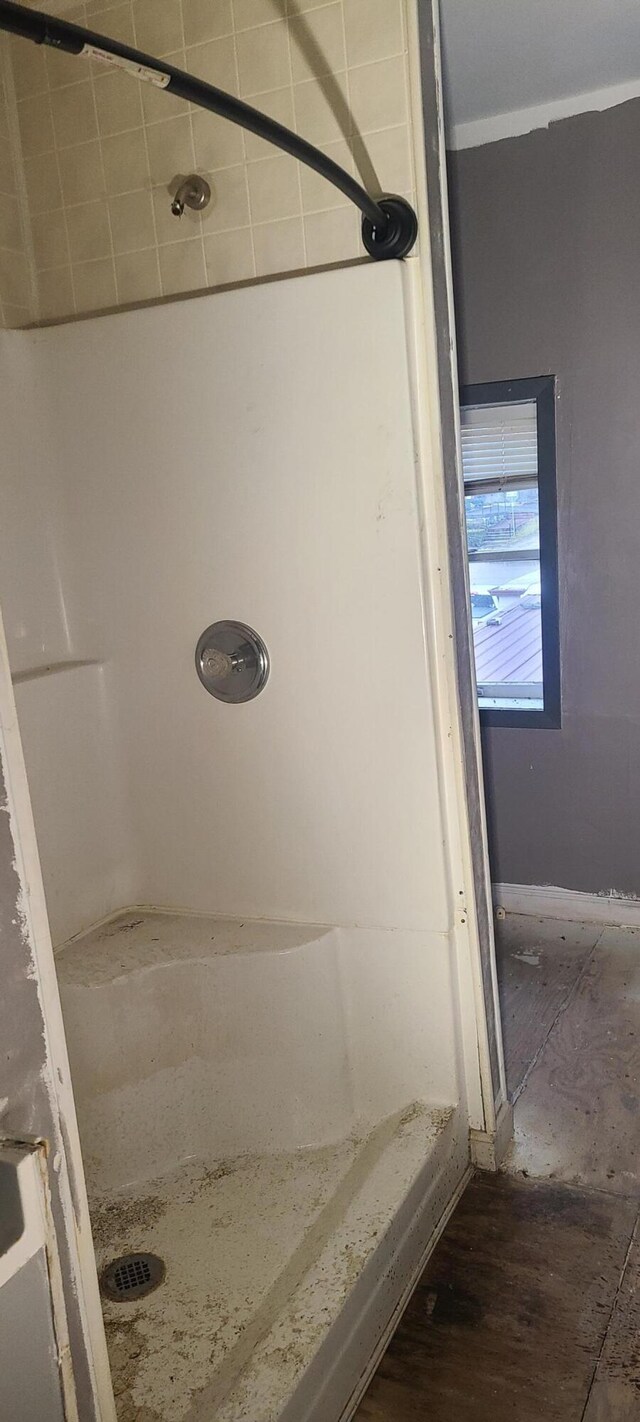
x=37 y=1095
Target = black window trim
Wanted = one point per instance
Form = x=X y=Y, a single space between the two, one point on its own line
x=542 y=389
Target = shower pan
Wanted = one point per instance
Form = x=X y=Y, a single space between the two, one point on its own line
x=260 y=899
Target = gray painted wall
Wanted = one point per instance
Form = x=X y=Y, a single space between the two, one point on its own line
x=546 y=232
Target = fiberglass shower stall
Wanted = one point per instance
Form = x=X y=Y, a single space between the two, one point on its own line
x=262 y=913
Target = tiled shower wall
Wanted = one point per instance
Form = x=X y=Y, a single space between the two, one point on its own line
x=101 y=152
x=16 y=273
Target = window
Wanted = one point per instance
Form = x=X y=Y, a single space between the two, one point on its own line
x=508 y=464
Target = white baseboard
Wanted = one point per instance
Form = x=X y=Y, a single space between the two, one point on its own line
x=545 y=901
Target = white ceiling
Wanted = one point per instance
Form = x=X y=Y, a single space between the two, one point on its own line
x=503 y=57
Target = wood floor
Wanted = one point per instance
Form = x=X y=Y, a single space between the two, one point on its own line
x=529 y=1309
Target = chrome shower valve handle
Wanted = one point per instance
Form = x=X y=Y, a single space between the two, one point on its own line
x=232 y=661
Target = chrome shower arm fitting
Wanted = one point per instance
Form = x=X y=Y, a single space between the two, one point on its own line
x=194 y=192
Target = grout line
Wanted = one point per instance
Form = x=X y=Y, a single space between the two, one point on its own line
x=15 y=149
x=106 y=196
x=153 y=205
x=305 y=259
x=612 y=1310
x=255 y=94
x=408 y=91
x=65 y=218
x=244 y=146
x=195 y=237
x=258 y=158
x=194 y=168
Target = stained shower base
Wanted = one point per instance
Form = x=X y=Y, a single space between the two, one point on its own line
x=206 y=1054
x=262 y=1253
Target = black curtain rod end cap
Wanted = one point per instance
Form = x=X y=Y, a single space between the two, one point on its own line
x=398 y=235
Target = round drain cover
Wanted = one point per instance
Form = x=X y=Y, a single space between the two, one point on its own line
x=131 y=1276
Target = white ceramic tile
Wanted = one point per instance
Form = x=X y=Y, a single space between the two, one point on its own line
x=263 y=58
x=15 y=282
x=126 y=166
x=49 y=236
x=11 y=234
x=274 y=188
x=161 y=104
x=279 y=246
x=36 y=125
x=296 y=7
x=7 y=171
x=217 y=143
x=247 y=13
x=15 y=317
x=229 y=207
x=118 y=103
x=89 y=235
x=215 y=62
x=94 y=285
x=116 y=22
x=332 y=236
x=323 y=114
x=317 y=43
x=63 y=69
x=81 y=172
x=317 y=192
x=29 y=68
x=42 y=183
x=182 y=267
x=278 y=104
x=74 y=114
x=206 y=21
x=158 y=26
x=170 y=146
x=378 y=95
x=55 y=294
x=229 y=256
x=138 y=276
x=389 y=152
x=374 y=30
x=132 y=221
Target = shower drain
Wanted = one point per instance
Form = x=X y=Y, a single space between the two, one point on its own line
x=131 y=1276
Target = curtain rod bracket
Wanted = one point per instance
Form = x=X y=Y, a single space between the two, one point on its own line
x=398 y=236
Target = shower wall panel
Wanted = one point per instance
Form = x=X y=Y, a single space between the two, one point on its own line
x=40 y=624
x=249 y=455
x=64 y=692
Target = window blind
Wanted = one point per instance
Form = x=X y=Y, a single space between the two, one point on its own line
x=499 y=443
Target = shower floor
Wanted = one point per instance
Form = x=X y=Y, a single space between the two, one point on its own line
x=206 y=1054
x=261 y=1255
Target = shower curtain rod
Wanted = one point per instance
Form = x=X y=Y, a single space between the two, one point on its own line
x=389 y=223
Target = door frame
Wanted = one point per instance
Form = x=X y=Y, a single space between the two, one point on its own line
x=445 y=547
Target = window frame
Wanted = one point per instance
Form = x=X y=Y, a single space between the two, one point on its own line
x=542 y=390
